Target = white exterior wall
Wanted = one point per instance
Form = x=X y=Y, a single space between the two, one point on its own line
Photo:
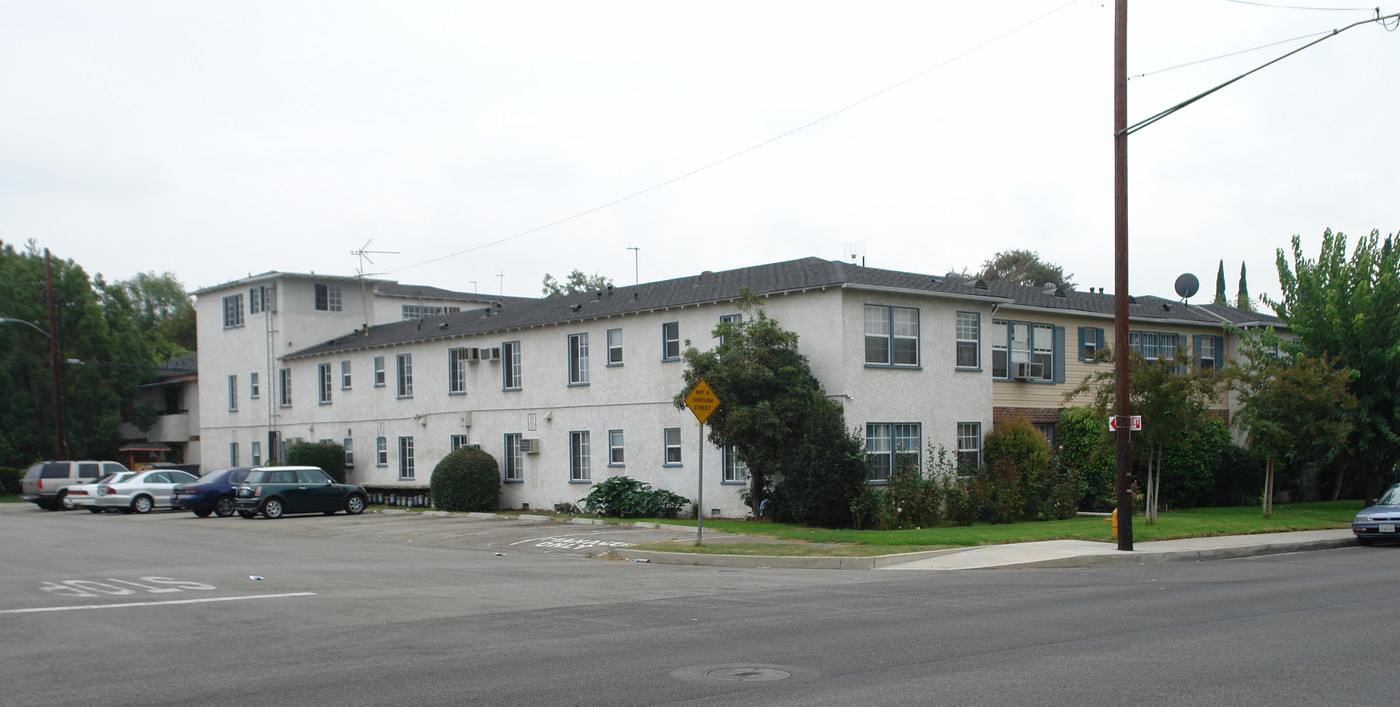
x=295 y=323
x=634 y=397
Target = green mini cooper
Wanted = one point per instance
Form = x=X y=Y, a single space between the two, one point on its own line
x=278 y=490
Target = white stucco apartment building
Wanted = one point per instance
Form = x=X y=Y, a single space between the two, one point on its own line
x=567 y=391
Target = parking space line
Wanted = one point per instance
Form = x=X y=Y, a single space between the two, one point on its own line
x=130 y=604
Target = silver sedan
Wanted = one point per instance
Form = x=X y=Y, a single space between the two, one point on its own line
x=143 y=491
x=85 y=495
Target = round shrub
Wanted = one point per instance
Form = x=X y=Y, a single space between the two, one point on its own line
x=327 y=455
x=466 y=480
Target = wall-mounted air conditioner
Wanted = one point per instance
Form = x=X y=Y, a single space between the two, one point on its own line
x=530 y=445
x=1026 y=370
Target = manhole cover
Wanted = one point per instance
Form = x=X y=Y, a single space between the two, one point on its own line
x=747 y=674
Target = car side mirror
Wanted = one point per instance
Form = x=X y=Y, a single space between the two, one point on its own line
x=1371 y=502
x=330 y=482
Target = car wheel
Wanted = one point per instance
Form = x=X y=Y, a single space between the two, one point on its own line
x=64 y=502
x=94 y=510
x=1365 y=542
x=203 y=512
x=142 y=504
x=355 y=505
x=273 y=508
x=224 y=506
x=248 y=514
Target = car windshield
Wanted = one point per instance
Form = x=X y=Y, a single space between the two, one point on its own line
x=1391 y=497
x=116 y=478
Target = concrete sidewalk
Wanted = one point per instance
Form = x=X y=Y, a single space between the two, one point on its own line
x=1049 y=553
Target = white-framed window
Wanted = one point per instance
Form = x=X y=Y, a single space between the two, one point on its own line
x=578 y=359
x=233 y=393
x=1047 y=429
x=253 y=385
x=735 y=470
x=891 y=336
x=255 y=450
x=423 y=311
x=284 y=387
x=579 y=462
x=457 y=370
x=614 y=347
x=970 y=444
x=379 y=371
x=1208 y=352
x=457 y=442
x=514 y=460
x=1023 y=351
x=671 y=341
x=327 y=297
x=730 y=319
x=323 y=377
x=890 y=446
x=345 y=374
x=405 y=458
x=233 y=454
x=671 y=440
x=1091 y=341
x=404 y=366
x=233 y=311
x=969 y=332
x=349 y=444
x=381 y=451
x=510 y=370
x=616 y=456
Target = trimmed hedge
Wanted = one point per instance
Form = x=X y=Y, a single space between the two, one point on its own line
x=466 y=480
x=327 y=455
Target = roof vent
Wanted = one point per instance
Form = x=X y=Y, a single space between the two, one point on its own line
x=980 y=284
x=1048 y=287
x=443 y=325
x=1132 y=299
x=575 y=307
x=1060 y=292
x=1166 y=307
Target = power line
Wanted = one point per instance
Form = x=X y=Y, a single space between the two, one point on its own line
x=1224 y=56
x=1301 y=7
x=742 y=152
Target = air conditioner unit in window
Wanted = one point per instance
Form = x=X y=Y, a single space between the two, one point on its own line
x=530 y=445
x=495 y=353
x=473 y=355
x=1025 y=370
x=487 y=354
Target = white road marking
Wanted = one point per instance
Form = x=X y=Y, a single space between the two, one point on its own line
x=154 y=603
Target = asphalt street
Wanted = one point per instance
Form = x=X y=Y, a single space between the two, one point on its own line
x=170 y=609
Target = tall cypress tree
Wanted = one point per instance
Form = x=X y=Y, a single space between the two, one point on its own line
x=1220 y=285
x=1242 y=297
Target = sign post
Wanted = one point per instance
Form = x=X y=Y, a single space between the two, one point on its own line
x=702 y=401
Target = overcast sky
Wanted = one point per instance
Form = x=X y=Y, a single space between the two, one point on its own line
x=487 y=144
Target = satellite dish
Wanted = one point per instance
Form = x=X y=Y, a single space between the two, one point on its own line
x=1187 y=285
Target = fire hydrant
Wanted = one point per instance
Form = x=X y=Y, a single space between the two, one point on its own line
x=1114 y=520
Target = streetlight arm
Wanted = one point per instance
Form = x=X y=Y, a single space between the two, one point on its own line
x=32 y=325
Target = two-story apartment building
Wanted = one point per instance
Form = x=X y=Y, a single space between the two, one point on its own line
x=567 y=391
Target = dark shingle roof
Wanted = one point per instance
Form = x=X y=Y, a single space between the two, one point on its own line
x=394 y=289
x=793 y=275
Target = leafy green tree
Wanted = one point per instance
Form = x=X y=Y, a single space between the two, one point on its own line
x=1171 y=395
x=164 y=312
x=576 y=282
x=1024 y=267
x=1086 y=450
x=826 y=471
x=104 y=359
x=1220 y=285
x=1017 y=444
x=1294 y=409
x=766 y=390
x=1344 y=310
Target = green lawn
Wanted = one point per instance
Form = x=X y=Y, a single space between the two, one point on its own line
x=1181 y=524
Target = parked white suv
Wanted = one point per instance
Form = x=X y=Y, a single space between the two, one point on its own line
x=46 y=483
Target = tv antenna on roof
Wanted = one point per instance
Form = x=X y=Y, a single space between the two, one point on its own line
x=363 y=254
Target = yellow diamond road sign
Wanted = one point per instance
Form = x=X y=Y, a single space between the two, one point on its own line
x=702 y=401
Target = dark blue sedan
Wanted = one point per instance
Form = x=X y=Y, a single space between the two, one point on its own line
x=1379 y=520
x=212 y=493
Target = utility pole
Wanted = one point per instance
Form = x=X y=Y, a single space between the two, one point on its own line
x=60 y=447
x=1121 y=358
